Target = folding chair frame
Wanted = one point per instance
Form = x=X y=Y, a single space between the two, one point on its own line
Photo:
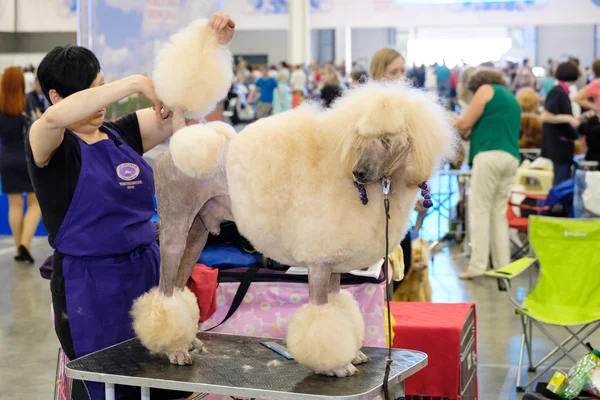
x=525 y=248
x=527 y=324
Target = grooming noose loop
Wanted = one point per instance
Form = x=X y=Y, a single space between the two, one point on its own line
x=386 y=184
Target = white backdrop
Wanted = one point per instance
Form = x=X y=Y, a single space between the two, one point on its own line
x=7 y=16
x=330 y=14
x=38 y=16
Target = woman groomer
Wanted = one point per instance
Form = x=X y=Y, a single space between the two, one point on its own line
x=96 y=195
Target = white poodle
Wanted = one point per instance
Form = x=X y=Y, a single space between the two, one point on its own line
x=288 y=182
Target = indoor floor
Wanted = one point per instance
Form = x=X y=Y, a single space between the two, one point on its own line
x=29 y=346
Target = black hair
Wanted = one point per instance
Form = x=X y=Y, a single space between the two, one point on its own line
x=67 y=69
x=567 y=72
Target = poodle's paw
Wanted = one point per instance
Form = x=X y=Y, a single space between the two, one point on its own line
x=348 y=370
x=180 y=357
x=197 y=347
x=360 y=358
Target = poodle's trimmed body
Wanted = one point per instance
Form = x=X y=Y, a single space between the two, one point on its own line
x=287 y=182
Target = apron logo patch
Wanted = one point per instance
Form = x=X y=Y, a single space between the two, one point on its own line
x=128 y=171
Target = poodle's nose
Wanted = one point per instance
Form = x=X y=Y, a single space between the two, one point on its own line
x=359 y=175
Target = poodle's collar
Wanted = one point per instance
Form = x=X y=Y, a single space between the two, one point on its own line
x=386 y=183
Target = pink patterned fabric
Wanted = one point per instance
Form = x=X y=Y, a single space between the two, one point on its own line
x=267 y=307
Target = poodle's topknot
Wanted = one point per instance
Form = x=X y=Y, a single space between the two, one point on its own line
x=193 y=70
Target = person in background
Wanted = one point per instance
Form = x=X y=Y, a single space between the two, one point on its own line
x=442 y=73
x=560 y=126
x=282 y=96
x=524 y=78
x=591 y=91
x=453 y=87
x=29 y=73
x=387 y=64
x=37 y=103
x=591 y=131
x=265 y=85
x=13 y=163
x=417 y=76
x=548 y=82
x=332 y=88
x=582 y=80
x=492 y=123
x=531 y=121
x=298 y=81
x=358 y=77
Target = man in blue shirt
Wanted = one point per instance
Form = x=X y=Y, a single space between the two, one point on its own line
x=443 y=80
x=266 y=85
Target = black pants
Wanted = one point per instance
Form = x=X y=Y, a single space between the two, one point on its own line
x=63 y=331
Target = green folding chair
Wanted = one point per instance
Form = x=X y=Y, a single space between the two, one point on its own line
x=567 y=292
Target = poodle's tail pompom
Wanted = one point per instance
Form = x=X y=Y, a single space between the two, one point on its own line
x=166 y=324
x=321 y=338
x=350 y=308
x=196 y=150
x=193 y=70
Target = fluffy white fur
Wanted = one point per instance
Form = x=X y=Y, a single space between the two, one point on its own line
x=319 y=338
x=351 y=310
x=196 y=149
x=166 y=324
x=193 y=70
x=288 y=185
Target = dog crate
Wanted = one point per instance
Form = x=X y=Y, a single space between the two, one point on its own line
x=450 y=332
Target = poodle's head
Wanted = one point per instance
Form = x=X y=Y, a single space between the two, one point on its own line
x=393 y=128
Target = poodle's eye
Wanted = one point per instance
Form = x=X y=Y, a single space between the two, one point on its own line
x=385 y=143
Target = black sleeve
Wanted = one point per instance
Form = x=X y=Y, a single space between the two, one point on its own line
x=128 y=128
x=55 y=183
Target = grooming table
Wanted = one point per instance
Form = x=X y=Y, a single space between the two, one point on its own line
x=241 y=366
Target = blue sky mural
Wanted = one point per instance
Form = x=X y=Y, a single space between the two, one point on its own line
x=281 y=6
x=127 y=34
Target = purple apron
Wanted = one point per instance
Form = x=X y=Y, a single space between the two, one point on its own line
x=108 y=242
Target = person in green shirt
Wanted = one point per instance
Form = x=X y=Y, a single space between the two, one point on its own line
x=492 y=124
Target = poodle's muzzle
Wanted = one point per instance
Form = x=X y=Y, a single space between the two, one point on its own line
x=367 y=172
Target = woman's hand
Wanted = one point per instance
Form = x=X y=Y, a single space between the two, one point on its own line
x=587 y=115
x=574 y=122
x=145 y=87
x=222 y=26
x=419 y=205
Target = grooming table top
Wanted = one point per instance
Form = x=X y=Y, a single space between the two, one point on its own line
x=241 y=366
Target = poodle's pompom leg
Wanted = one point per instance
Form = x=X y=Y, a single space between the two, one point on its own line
x=167 y=324
x=197 y=150
x=193 y=70
x=350 y=309
x=320 y=337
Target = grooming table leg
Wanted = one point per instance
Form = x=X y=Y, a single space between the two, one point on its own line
x=145 y=393
x=110 y=391
x=399 y=393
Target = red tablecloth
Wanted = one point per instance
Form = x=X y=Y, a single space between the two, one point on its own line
x=435 y=329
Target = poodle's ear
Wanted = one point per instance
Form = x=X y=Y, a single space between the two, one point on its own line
x=431 y=136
